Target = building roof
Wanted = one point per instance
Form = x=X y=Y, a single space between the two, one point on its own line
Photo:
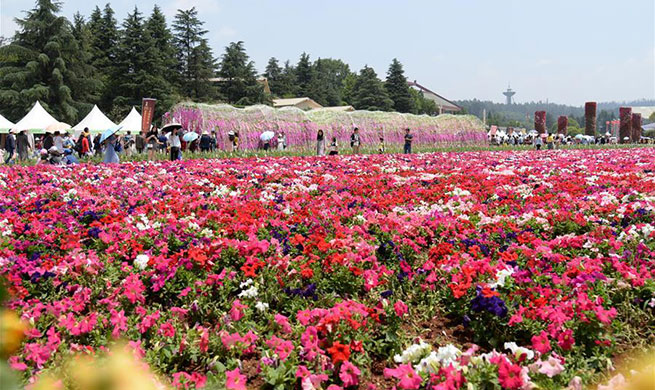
x=441 y=101
x=132 y=122
x=336 y=108
x=95 y=121
x=645 y=111
x=37 y=119
x=296 y=102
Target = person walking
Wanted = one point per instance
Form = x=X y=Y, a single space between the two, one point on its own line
x=23 y=146
x=538 y=142
x=320 y=143
x=407 y=149
x=85 y=149
x=281 y=141
x=48 y=141
x=152 y=142
x=355 y=141
x=381 y=147
x=205 y=142
x=96 y=145
x=176 y=144
x=140 y=143
x=550 y=141
x=112 y=148
x=10 y=147
x=58 y=141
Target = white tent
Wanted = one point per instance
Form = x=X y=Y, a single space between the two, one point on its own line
x=132 y=122
x=96 y=121
x=5 y=125
x=36 y=120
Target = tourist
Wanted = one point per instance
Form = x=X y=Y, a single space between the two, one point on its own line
x=213 y=141
x=205 y=142
x=54 y=156
x=85 y=149
x=281 y=141
x=58 y=141
x=140 y=143
x=112 y=148
x=538 y=142
x=68 y=141
x=10 y=146
x=550 y=141
x=176 y=144
x=235 y=141
x=43 y=157
x=22 y=146
x=47 y=141
x=69 y=158
x=334 y=147
x=407 y=149
x=381 y=147
x=355 y=141
x=320 y=143
x=96 y=145
x=128 y=142
x=152 y=142
x=231 y=136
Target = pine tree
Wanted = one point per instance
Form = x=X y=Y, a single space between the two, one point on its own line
x=304 y=74
x=273 y=74
x=86 y=86
x=287 y=86
x=239 y=83
x=369 y=93
x=37 y=65
x=105 y=35
x=138 y=72
x=164 y=58
x=193 y=55
x=397 y=88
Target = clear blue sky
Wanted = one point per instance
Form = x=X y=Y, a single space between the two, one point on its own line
x=566 y=51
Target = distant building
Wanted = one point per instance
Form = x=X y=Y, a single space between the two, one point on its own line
x=645 y=111
x=337 y=108
x=443 y=105
x=304 y=103
x=508 y=95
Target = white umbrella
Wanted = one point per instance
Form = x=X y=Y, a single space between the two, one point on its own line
x=267 y=136
x=58 y=126
x=190 y=136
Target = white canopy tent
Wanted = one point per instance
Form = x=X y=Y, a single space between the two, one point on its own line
x=96 y=121
x=36 y=120
x=5 y=125
x=132 y=122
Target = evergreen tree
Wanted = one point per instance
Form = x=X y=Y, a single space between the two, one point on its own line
x=287 y=86
x=421 y=105
x=397 y=88
x=239 y=83
x=369 y=93
x=304 y=74
x=164 y=58
x=105 y=35
x=348 y=88
x=326 y=85
x=138 y=72
x=37 y=66
x=86 y=85
x=194 y=57
x=273 y=74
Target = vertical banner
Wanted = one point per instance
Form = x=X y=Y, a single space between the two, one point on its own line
x=147 y=113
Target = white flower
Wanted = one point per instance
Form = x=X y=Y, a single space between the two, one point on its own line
x=141 y=261
x=249 y=293
x=501 y=277
x=519 y=351
x=448 y=355
x=246 y=283
x=413 y=353
x=261 y=306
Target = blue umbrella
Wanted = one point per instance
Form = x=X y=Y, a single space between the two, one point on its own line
x=190 y=136
x=109 y=132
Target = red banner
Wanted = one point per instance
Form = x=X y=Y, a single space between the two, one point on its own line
x=147 y=113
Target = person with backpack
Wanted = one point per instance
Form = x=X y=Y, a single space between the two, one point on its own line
x=355 y=141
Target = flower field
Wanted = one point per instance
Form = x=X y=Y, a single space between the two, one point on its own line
x=434 y=271
x=301 y=126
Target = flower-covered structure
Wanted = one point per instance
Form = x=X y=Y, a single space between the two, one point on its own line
x=625 y=129
x=590 y=118
x=540 y=122
x=300 y=127
x=562 y=124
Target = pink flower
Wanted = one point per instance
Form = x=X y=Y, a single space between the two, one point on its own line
x=509 y=375
x=235 y=380
x=550 y=367
x=236 y=313
x=400 y=308
x=541 y=343
x=283 y=322
x=167 y=330
x=349 y=374
x=405 y=374
x=119 y=321
x=565 y=340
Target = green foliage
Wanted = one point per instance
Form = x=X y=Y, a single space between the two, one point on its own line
x=369 y=93
x=195 y=60
x=43 y=63
x=421 y=105
x=239 y=84
x=397 y=88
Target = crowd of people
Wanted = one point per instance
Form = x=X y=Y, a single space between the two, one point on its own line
x=551 y=140
x=63 y=148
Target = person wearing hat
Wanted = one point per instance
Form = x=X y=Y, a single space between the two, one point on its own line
x=22 y=146
x=86 y=145
x=55 y=155
x=43 y=157
x=58 y=140
x=10 y=146
x=112 y=146
x=205 y=142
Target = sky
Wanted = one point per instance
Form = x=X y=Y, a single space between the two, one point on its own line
x=563 y=51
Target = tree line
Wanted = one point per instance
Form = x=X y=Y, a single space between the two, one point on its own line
x=70 y=65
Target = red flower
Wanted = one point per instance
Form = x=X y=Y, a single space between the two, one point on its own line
x=339 y=352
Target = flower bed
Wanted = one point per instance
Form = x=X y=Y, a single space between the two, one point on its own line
x=424 y=271
x=301 y=127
